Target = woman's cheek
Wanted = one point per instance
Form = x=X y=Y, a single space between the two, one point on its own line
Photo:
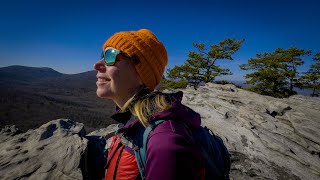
x=116 y=79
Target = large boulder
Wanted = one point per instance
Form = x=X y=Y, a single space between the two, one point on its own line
x=59 y=149
x=53 y=151
x=268 y=138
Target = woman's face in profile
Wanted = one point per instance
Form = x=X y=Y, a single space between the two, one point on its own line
x=118 y=80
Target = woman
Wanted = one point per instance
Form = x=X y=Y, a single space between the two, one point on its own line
x=131 y=66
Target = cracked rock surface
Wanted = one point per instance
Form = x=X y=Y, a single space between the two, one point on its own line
x=268 y=138
x=53 y=151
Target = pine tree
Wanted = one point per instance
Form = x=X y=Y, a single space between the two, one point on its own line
x=276 y=73
x=292 y=58
x=269 y=76
x=311 y=78
x=201 y=65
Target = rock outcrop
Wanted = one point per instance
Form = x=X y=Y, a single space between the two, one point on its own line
x=268 y=138
x=52 y=151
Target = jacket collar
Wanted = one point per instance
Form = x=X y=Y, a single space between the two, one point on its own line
x=121 y=117
x=125 y=118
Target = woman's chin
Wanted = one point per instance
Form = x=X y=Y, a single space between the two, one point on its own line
x=103 y=94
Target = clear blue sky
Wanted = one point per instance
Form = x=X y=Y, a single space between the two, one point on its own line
x=68 y=35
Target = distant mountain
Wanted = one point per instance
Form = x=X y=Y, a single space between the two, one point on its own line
x=44 y=78
x=30 y=96
x=81 y=80
x=26 y=74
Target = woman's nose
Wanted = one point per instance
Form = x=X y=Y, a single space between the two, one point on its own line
x=99 y=66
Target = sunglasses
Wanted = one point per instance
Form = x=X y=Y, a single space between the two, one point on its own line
x=110 y=55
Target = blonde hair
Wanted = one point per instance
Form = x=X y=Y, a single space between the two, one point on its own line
x=144 y=104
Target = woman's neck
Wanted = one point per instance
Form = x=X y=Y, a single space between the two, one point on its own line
x=122 y=101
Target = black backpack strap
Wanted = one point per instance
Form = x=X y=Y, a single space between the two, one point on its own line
x=117 y=164
x=111 y=156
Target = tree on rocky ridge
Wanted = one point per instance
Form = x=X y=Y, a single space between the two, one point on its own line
x=201 y=65
x=292 y=59
x=311 y=78
x=276 y=73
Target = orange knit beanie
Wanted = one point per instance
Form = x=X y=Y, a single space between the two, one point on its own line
x=144 y=45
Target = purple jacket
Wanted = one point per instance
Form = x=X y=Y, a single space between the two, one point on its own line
x=171 y=151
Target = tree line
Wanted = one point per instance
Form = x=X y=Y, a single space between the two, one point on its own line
x=274 y=73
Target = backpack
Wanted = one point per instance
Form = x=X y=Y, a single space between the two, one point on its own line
x=214 y=152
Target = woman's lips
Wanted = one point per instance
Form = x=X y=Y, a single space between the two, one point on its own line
x=101 y=81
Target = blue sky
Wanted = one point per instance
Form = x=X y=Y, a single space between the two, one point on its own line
x=68 y=35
